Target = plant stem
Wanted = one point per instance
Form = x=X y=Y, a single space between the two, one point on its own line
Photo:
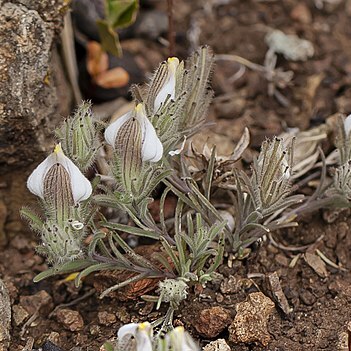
x=171 y=32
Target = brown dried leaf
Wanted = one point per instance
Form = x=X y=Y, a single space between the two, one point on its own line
x=277 y=292
x=316 y=263
x=242 y=145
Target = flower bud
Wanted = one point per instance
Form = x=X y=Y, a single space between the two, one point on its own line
x=169 y=83
x=79 y=137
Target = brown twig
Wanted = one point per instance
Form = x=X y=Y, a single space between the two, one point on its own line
x=171 y=31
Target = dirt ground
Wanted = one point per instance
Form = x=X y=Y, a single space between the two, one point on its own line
x=319 y=299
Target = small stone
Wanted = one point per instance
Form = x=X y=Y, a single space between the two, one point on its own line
x=218 y=345
x=282 y=260
x=19 y=314
x=50 y=346
x=94 y=329
x=229 y=285
x=307 y=298
x=301 y=13
x=250 y=322
x=341 y=287
x=70 y=319
x=123 y=315
x=41 y=301
x=212 y=321
x=106 y=318
x=219 y=297
x=54 y=338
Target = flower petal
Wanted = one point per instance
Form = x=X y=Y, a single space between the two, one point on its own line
x=112 y=130
x=127 y=329
x=35 y=182
x=144 y=337
x=81 y=187
x=347 y=125
x=169 y=85
x=152 y=148
x=180 y=340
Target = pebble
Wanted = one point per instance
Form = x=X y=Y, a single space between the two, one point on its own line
x=106 y=318
x=123 y=315
x=70 y=319
x=94 y=329
x=301 y=13
x=19 y=314
x=217 y=345
x=41 y=301
x=229 y=285
x=212 y=321
x=49 y=346
x=307 y=298
x=219 y=297
x=54 y=338
x=250 y=322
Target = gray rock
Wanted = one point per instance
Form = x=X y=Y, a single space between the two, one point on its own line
x=5 y=317
x=28 y=99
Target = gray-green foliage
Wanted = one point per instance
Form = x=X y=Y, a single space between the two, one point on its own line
x=79 y=136
x=147 y=156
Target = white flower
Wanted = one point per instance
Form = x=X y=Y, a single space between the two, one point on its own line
x=151 y=146
x=79 y=187
x=347 y=125
x=140 y=333
x=169 y=84
x=180 y=340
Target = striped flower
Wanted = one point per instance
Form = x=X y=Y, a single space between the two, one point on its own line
x=58 y=181
x=134 y=136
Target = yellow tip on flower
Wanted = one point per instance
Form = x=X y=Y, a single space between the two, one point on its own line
x=173 y=63
x=179 y=329
x=144 y=325
x=139 y=108
x=172 y=60
x=58 y=149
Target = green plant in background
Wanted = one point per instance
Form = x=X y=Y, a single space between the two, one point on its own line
x=118 y=14
x=148 y=157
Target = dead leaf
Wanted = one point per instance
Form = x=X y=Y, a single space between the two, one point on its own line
x=241 y=145
x=316 y=263
x=277 y=292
